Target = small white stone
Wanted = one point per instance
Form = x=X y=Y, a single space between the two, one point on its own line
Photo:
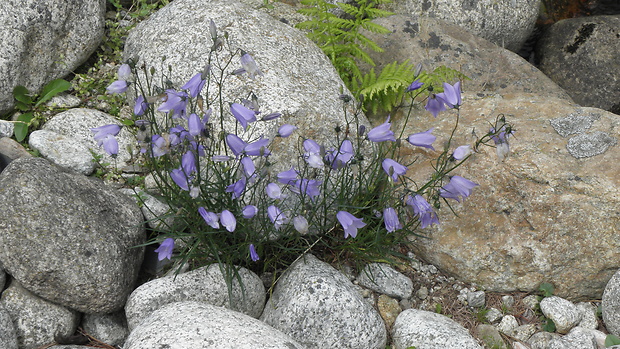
x=508 y=324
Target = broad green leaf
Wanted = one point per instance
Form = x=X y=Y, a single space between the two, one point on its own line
x=547 y=289
x=22 y=95
x=21 y=126
x=53 y=88
x=26 y=117
x=611 y=340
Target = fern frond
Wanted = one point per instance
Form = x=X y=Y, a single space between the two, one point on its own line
x=386 y=90
x=351 y=10
x=377 y=13
x=374 y=27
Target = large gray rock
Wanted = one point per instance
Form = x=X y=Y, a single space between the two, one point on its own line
x=37 y=321
x=426 y=330
x=206 y=284
x=581 y=55
x=201 y=325
x=45 y=40
x=8 y=335
x=565 y=314
x=108 y=328
x=68 y=238
x=542 y=215
x=298 y=80
x=382 y=278
x=505 y=23
x=611 y=305
x=63 y=151
x=319 y=307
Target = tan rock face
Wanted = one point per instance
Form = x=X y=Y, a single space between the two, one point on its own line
x=542 y=215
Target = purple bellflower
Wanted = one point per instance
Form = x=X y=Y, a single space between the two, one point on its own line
x=249 y=211
x=104 y=136
x=271 y=116
x=175 y=103
x=423 y=210
x=276 y=216
x=273 y=191
x=382 y=132
x=435 y=105
x=188 y=163
x=461 y=152
x=258 y=148
x=140 y=106
x=236 y=144
x=118 y=86
x=451 y=95
x=180 y=178
x=344 y=155
x=195 y=85
x=249 y=169
x=301 y=224
x=309 y=187
x=414 y=86
x=390 y=218
x=253 y=253
x=458 y=188
x=209 y=217
x=350 y=223
x=160 y=145
x=287 y=177
x=423 y=139
x=124 y=72
x=194 y=124
x=312 y=154
x=286 y=130
x=228 y=220
x=165 y=249
x=242 y=114
x=236 y=188
x=502 y=146
x=393 y=169
x=249 y=66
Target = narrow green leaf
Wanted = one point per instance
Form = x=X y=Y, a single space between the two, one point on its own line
x=53 y=88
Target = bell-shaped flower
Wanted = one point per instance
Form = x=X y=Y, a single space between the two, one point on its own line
x=180 y=178
x=242 y=114
x=390 y=218
x=276 y=216
x=461 y=152
x=287 y=177
x=382 y=132
x=258 y=148
x=343 y=156
x=175 y=103
x=140 y=106
x=236 y=144
x=312 y=154
x=102 y=131
x=435 y=105
x=301 y=224
x=309 y=187
x=253 y=254
x=249 y=65
x=195 y=85
x=249 y=211
x=423 y=210
x=423 y=139
x=165 y=249
x=451 y=95
x=458 y=188
x=350 y=223
x=286 y=130
x=210 y=217
x=236 y=188
x=414 y=86
x=194 y=125
x=160 y=145
x=110 y=145
x=118 y=86
x=124 y=72
x=393 y=169
x=228 y=220
x=188 y=162
x=273 y=191
x=249 y=169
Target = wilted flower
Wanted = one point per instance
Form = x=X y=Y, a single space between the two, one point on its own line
x=414 y=86
x=273 y=191
x=228 y=220
x=209 y=217
x=242 y=114
x=423 y=139
x=160 y=145
x=195 y=85
x=458 y=188
x=451 y=95
x=165 y=249
x=141 y=106
x=461 y=152
x=271 y=116
x=276 y=216
x=435 y=105
x=390 y=218
x=118 y=86
x=301 y=224
x=382 y=132
x=393 y=169
x=253 y=253
x=249 y=65
x=500 y=139
x=286 y=130
x=249 y=211
x=423 y=210
x=350 y=223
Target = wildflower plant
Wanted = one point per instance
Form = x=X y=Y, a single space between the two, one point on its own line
x=232 y=204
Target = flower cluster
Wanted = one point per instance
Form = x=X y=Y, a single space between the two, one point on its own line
x=228 y=202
